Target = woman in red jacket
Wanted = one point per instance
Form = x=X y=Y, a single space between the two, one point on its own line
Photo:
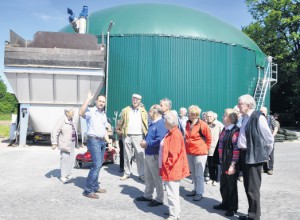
x=198 y=140
x=173 y=163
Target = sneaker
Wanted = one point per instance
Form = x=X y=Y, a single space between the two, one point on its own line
x=124 y=177
x=215 y=183
x=63 y=179
x=197 y=197
x=209 y=181
x=70 y=177
x=193 y=193
x=270 y=172
x=241 y=178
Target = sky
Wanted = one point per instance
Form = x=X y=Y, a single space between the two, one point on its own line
x=30 y=16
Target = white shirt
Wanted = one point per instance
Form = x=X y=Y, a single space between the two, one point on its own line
x=263 y=127
x=135 y=122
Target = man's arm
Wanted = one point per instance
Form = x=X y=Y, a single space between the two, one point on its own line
x=86 y=103
x=266 y=132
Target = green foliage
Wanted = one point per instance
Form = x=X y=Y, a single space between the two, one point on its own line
x=276 y=30
x=8 y=102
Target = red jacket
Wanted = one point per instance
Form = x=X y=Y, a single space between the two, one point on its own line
x=195 y=145
x=174 y=160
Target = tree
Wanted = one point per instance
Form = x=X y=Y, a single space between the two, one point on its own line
x=276 y=30
x=8 y=101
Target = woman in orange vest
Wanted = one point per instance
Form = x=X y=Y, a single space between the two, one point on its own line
x=198 y=140
x=173 y=163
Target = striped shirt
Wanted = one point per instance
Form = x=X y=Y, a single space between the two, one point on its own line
x=223 y=137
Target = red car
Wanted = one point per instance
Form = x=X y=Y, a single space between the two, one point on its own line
x=109 y=157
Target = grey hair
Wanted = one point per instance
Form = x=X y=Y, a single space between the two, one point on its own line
x=184 y=109
x=68 y=109
x=248 y=100
x=212 y=113
x=168 y=101
x=171 y=119
x=157 y=109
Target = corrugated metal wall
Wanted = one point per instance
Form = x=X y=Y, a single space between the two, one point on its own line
x=187 y=71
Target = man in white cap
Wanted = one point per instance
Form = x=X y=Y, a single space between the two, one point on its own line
x=133 y=125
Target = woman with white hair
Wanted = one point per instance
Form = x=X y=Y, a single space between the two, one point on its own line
x=198 y=140
x=64 y=136
x=173 y=163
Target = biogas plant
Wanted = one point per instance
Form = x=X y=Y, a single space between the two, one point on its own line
x=155 y=50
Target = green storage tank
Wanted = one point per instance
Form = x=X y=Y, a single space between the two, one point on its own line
x=180 y=53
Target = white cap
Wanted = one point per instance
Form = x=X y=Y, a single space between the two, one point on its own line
x=137 y=96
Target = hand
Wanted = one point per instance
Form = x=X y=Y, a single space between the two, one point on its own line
x=110 y=147
x=54 y=146
x=231 y=169
x=143 y=144
x=90 y=95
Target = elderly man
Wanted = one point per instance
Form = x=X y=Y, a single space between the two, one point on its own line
x=215 y=129
x=156 y=133
x=97 y=135
x=166 y=105
x=256 y=143
x=182 y=117
x=268 y=166
x=133 y=125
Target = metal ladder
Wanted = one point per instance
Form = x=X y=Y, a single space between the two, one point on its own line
x=266 y=82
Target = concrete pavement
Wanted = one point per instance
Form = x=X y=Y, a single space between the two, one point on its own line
x=30 y=189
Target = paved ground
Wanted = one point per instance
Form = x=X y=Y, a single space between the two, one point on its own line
x=30 y=189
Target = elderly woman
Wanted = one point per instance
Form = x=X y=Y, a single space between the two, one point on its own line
x=198 y=140
x=64 y=136
x=173 y=163
x=229 y=156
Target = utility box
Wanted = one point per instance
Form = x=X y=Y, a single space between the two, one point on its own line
x=50 y=72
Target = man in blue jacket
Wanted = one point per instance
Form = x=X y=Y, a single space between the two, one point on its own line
x=156 y=132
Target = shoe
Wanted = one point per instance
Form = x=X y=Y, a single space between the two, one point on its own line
x=241 y=178
x=101 y=191
x=193 y=193
x=121 y=170
x=209 y=181
x=143 y=199
x=215 y=183
x=91 y=195
x=63 y=179
x=167 y=213
x=207 y=178
x=70 y=177
x=125 y=177
x=244 y=217
x=154 y=203
x=229 y=213
x=142 y=178
x=220 y=207
x=197 y=197
x=270 y=172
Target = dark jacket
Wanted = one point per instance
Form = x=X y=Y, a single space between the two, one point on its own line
x=257 y=149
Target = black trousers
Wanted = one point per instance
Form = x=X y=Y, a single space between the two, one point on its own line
x=229 y=191
x=252 y=184
x=213 y=170
x=121 y=155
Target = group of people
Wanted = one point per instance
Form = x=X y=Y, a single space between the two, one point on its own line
x=168 y=148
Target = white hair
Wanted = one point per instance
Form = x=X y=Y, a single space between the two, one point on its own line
x=171 y=119
x=168 y=102
x=183 y=109
x=248 y=100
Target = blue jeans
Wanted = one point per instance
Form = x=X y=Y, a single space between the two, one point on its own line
x=97 y=148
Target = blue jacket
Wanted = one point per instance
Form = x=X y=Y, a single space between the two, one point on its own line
x=156 y=132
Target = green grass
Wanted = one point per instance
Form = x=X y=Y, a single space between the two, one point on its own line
x=5 y=117
x=4 y=131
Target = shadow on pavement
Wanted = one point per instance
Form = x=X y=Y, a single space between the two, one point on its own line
x=134 y=192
